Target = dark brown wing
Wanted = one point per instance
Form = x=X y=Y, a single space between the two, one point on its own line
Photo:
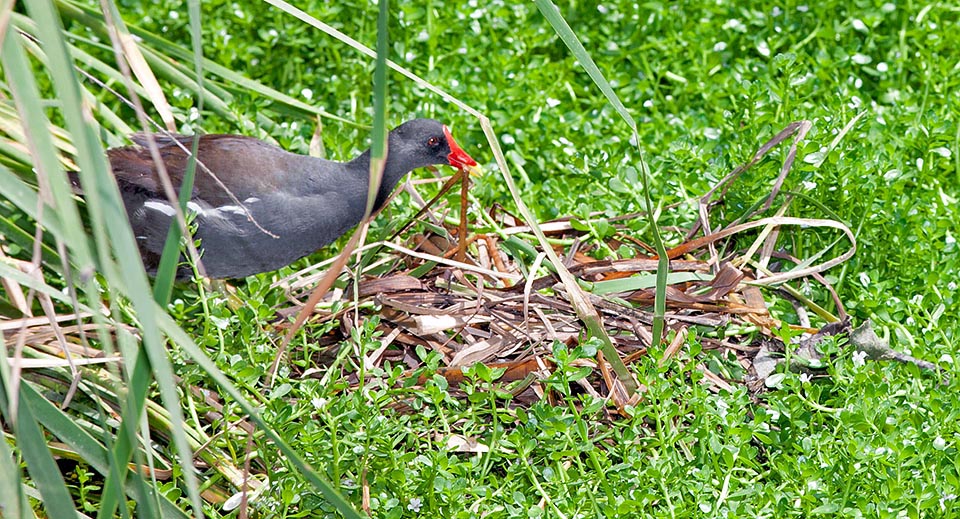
x=240 y=163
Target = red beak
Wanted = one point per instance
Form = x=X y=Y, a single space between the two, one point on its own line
x=457 y=157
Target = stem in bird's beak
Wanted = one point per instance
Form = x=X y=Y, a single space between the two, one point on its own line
x=457 y=157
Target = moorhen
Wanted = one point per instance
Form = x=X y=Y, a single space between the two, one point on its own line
x=273 y=207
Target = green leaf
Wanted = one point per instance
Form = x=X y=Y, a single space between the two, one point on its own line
x=642 y=281
x=552 y=14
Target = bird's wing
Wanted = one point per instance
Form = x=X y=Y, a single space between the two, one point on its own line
x=233 y=167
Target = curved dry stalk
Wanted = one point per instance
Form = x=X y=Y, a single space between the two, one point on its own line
x=776 y=221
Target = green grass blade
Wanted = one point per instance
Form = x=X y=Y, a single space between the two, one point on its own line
x=31 y=282
x=563 y=30
x=378 y=147
x=44 y=471
x=14 y=231
x=170 y=257
x=125 y=439
x=32 y=444
x=13 y=500
x=13 y=188
x=584 y=308
x=63 y=214
x=643 y=281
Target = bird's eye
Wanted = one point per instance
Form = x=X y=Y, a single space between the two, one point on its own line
x=433 y=141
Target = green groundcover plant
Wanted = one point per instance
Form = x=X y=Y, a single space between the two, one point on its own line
x=704 y=84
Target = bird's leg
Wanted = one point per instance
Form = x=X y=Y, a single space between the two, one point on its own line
x=462 y=231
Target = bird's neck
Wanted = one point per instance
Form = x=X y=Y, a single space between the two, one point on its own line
x=391 y=175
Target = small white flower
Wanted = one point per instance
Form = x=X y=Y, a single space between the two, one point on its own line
x=882 y=67
x=763 y=48
x=864 y=279
x=943 y=152
x=804 y=378
x=939 y=443
x=720 y=46
x=307 y=93
x=859 y=25
x=859 y=358
x=944 y=499
x=551 y=102
x=735 y=24
x=414 y=505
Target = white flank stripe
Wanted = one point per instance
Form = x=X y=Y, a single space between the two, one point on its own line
x=230 y=209
x=161 y=207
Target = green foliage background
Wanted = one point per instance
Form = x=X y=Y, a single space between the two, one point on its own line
x=708 y=83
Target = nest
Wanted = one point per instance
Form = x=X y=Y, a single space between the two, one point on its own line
x=496 y=299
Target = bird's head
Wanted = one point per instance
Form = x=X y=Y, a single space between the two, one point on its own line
x=426 y=142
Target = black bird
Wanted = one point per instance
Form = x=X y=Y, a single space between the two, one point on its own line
x=262 y=207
